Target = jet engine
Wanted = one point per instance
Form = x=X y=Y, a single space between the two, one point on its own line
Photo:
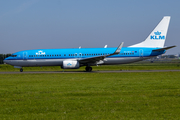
x=70 y=65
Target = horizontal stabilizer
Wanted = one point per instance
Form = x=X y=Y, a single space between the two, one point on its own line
x=166 y=48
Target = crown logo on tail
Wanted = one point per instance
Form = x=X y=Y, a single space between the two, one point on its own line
x=157 y=33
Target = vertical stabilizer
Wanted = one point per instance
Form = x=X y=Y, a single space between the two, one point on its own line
x=157 y=37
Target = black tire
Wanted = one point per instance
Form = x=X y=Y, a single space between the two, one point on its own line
x=21 y=70
x=88 y=69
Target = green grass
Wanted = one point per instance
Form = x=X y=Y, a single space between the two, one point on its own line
x=144 y=65
x=79 y=96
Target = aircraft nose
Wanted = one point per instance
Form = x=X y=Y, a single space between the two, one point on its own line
x=5 y=61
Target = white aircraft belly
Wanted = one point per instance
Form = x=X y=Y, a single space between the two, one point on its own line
x=123 y=60
x=40 y=62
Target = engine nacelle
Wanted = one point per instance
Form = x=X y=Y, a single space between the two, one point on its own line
x=70 y=65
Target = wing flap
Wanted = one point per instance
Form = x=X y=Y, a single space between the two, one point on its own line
x=92 y=59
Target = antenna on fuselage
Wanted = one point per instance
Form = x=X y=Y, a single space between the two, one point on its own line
x=105 y=46
x=79 y=47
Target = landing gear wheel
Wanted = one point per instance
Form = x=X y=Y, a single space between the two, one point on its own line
x=88 y=69
x=21 y=70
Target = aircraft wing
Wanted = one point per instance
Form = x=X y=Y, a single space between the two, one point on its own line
x=92 y=59
x=98 y=58
x=166 y=48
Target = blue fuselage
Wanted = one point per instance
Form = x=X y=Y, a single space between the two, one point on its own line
x=55 y=57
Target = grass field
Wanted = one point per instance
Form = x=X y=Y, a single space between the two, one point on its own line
x=90 y=96
x=154 y=95
x=144 y=65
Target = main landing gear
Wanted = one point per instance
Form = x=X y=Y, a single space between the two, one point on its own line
x=21 y=70
x=88 y=69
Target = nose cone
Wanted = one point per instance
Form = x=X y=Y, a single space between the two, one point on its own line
x=6 y=61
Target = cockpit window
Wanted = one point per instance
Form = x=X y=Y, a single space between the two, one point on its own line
x=13 y=55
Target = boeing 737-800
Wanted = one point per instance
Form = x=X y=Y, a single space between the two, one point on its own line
x=152 y=46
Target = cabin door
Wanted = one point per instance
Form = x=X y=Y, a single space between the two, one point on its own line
x=25 y=56
x=141 y=53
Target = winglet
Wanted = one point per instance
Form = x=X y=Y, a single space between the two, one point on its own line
x=119 y=48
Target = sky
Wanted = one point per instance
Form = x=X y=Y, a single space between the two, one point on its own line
x=53 y=24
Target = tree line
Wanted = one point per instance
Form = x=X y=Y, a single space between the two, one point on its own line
x=3 y=56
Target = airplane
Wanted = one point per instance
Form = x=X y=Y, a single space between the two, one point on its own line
x=75 y=58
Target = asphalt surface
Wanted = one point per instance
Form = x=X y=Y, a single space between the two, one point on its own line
x=117 y=71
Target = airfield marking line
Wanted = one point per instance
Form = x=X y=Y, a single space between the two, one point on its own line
x=116 y=71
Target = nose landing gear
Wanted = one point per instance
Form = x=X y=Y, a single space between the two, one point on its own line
x=21 y=70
